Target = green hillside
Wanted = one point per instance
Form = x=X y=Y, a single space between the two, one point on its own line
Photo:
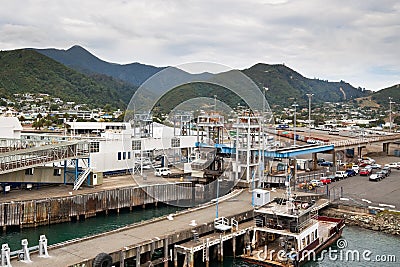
x=284 y=85
x=29 y=71
x=382 y=96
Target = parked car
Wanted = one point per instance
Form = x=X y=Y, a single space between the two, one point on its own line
x=326 y=164
x=365 y=172
x=349 y=165
x=351 y=172
x=376 y=166
x=356 y=168
x=333 y=178
x=316 y=183
x=382 y=174
x=393 y=165
x=388 y=170
x=375 y=177
x=162 y=172
x=368 y=160
x=369 y=167
x=341 y=174
x=325 y=180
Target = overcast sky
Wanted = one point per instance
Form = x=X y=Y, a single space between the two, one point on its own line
x=357 y=41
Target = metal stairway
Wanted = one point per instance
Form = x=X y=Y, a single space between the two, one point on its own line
x=81 y=178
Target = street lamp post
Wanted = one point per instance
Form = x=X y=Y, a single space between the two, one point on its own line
x=295 y=105
x=390 y=113
x=309 y=114
x=215 y=103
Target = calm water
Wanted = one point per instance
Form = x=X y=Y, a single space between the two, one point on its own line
x=57 y=233
x=357 y=239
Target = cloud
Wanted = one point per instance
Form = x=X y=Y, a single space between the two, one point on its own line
x=334 y=40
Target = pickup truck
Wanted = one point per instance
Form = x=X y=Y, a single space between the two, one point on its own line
x=326 y=164
x=393 y=165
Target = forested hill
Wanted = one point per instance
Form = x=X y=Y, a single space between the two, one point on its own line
x=26 y=70
x=286 y=85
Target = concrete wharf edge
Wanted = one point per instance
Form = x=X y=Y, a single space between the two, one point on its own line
x=145 y=237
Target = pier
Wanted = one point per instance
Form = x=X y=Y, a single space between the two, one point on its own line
x=141 y=240
x=180 y=237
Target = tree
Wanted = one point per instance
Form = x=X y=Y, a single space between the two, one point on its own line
x=38 y=124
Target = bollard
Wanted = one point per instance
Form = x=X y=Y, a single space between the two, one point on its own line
x=43 y=247
x=24 y=255
x=5 y=256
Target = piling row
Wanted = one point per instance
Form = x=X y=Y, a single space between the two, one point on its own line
x=63 y=209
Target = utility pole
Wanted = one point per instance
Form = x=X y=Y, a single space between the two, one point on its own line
x=309 y=113
x=295 y=105
x=390 y=113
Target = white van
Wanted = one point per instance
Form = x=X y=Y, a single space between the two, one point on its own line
x=162 y=171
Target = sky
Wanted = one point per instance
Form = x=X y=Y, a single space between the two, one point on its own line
x=357 y=41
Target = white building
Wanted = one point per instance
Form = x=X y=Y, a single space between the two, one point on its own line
x=10 y=127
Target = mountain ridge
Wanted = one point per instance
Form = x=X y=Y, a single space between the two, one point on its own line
x=82 y=60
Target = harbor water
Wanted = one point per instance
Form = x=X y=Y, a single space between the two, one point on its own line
x=62 y=232
x=357 y=247
x=373 y=248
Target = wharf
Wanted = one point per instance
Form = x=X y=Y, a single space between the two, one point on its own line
x=137 y=240
x=171 y=235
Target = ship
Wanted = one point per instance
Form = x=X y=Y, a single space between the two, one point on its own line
x=289 y=232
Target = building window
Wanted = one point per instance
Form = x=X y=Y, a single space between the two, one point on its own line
x=124 y=155
x=94 y=147
x=129 y=155
x=29 y=171
x=175 y=142
x=136 y=145
x=119 y=155
x=57 y=172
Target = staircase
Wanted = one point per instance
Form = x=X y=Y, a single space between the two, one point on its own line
x=81 y=178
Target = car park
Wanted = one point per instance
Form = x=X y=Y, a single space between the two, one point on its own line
x=365 y=172
x=351 y=172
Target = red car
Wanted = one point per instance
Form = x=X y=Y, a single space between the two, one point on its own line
x=365 y=172
x=326 y=180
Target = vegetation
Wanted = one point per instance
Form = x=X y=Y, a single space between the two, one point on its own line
x=286 y=86
x=382 y=96
x=23 y=71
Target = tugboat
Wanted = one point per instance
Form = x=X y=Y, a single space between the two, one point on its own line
x=289 y=232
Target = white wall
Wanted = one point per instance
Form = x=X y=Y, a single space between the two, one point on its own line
x=10 y=127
